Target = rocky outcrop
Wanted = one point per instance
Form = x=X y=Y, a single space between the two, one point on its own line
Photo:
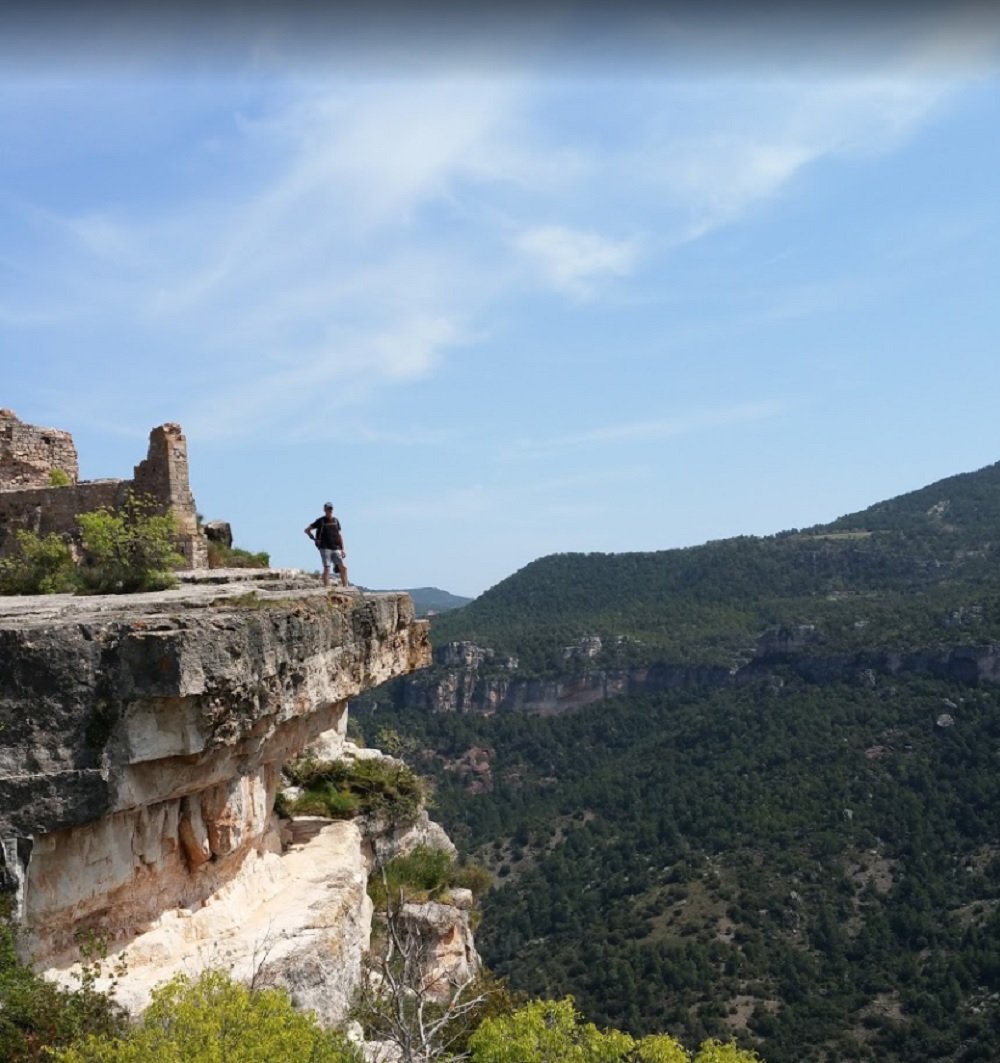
x=450 y=957
x=470 y=678
x=141 y=740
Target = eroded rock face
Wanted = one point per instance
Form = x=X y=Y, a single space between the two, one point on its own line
x=470 y=678
x=450 y=957
x=142 y=738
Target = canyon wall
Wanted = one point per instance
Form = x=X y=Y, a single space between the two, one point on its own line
x=470 y=678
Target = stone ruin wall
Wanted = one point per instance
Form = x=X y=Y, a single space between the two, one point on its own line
x=28 y=456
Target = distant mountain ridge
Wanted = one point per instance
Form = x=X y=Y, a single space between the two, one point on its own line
x=428 y=600
x=706 y=604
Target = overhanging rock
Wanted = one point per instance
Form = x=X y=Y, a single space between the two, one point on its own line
x=141 y=737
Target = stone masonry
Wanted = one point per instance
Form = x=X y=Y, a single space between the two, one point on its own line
x=29 y=455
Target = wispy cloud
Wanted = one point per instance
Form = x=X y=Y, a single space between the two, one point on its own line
x=755 y=139
x=572 y=261
x=652 y=430
x=300 y=397
x=359 y=231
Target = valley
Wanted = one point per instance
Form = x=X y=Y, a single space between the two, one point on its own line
x=791 y=837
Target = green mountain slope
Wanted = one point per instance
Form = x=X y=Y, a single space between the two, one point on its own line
x=807 y=858
x=896 y=568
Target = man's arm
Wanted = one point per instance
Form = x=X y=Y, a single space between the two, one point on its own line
x=309 y=530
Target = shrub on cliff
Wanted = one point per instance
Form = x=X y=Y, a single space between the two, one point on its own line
x=423 y=874
x=211 y=1019
x=36 y=1014
x=42 y=566
x=128 y=549
x=222 y=556
x=548 y=1030
x=345 y=788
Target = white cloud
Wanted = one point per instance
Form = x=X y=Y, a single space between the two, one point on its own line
x=715 y=179
x=572 y=261
x=298 y=397
x=357 y=231
x=382 y=150
x=756 y=138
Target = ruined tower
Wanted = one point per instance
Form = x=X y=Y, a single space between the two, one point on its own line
x=33 y=500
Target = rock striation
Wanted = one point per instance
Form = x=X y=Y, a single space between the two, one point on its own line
x=466 y=677
x=141 y=741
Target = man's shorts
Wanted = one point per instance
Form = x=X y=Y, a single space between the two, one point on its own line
x=332 y=558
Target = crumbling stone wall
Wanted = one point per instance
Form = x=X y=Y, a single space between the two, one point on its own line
x=164 y=476
x=46 y=510
x=28 y=455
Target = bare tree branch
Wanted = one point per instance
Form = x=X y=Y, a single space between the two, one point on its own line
x=406 y=999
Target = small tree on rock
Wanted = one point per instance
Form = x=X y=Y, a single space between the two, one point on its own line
x=43 y=565
x=132 y=548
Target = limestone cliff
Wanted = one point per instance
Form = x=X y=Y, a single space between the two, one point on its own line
x=141 y=741
x=470 y=678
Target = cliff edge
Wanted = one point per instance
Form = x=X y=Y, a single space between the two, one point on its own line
x=141 y=742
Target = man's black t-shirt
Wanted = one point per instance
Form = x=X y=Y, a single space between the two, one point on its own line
x=328 y=535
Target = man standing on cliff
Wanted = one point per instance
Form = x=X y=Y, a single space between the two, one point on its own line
x=326 y=533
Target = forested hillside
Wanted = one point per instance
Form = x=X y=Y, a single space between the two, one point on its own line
x=811 y=861
x=900 y=568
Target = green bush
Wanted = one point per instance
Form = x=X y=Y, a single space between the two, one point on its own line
x=212 y=1019
x=423 y=874
x=36 y=1014
x=345 y=788
x=222 y=556
x=43 y=566
x=420 y=875
x=59 y=478
x=327 y=800
x=543 y=1031
x=471 y=876
x=128 y=549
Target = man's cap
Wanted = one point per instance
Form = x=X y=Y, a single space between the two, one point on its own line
x=328 y=505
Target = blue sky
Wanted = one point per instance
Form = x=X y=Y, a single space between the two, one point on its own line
x=501 y=288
